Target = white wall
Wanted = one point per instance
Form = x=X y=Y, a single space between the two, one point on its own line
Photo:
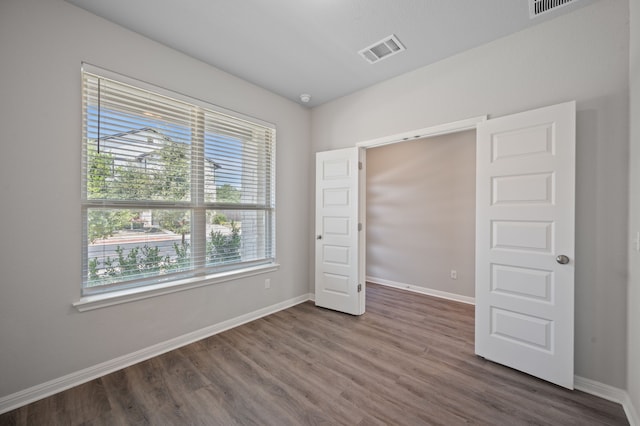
x=421 y=213
x=583 y=56
x=42 y=337
x=633 y=357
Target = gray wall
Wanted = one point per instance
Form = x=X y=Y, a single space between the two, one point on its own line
x=633 y=376
x=583 y=56
x=421 y=212
x=42 y=337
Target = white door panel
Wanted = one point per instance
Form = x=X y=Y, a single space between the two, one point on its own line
x=339 y=264
x=524 y=220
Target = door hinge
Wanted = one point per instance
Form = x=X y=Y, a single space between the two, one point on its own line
x=359 y=165
x=359 y=227
x=359 y=288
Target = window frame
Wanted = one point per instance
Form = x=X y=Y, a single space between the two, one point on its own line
x=199 y=273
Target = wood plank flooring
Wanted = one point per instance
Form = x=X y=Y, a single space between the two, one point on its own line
x=408 y=361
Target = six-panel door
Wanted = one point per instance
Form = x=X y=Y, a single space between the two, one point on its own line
x=525 y=188
x=338 y=271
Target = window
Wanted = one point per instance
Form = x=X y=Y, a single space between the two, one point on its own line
x=171 y=187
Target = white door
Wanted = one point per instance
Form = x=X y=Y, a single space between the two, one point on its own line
x=525 y=184
x=339 y=238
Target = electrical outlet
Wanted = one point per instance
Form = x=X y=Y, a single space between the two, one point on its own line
x=454 y=274
x=267 y=283
x=636 y=241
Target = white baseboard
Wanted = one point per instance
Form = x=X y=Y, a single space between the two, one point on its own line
x=609 y=393
x=423 y=290
x=35 y=393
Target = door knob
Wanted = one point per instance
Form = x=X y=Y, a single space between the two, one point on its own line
x=562 y=259
x=319 y=237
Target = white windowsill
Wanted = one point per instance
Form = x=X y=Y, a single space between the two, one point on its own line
x=98 y=301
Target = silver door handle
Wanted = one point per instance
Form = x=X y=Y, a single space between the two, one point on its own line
x=319 y=237
x=562 y=259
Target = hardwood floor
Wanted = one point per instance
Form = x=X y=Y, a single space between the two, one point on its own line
x=408 y=361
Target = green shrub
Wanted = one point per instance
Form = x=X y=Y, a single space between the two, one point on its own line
x=224 y=248
x=219 y=219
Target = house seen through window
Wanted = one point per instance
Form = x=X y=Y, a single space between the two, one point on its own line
x=172 y=187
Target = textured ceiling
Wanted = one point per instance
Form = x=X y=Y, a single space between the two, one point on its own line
x=311 y=46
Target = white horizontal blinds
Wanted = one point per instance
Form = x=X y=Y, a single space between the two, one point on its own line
x=242 y=237
x=138 y=143
x=136 y=154
x=239 y=175
x=171 y=187
x=134 y=252
x=239 y=158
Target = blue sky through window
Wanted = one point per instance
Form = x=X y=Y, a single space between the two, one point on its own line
x=224 y=151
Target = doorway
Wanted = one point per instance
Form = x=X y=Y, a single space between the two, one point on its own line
x=341 y=218
x=420 y=215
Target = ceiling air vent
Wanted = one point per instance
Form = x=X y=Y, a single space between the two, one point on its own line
x=385 y=48
x=538 y=7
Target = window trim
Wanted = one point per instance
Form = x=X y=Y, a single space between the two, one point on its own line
x=193 y=278
x=142 y=84
x=102 y=300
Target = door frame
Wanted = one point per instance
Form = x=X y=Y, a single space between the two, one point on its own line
x=425 y=132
